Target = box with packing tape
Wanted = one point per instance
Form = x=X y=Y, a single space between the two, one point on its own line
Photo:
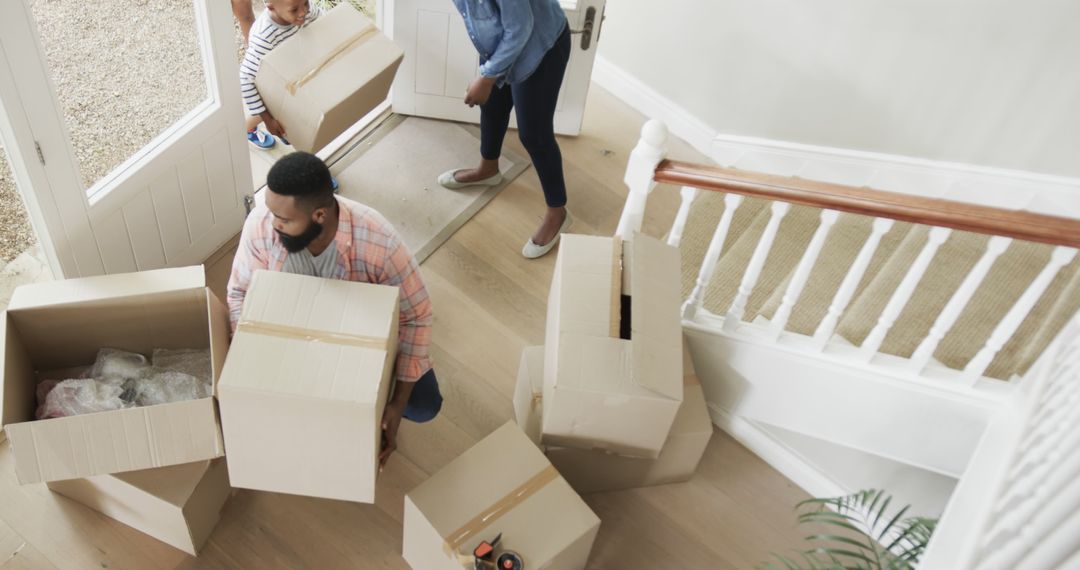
x=304 y=387
x=327 y=76
x=502 y=486
x=53 y=328
x=591 y=471
x=612 y=356
x=178 y=505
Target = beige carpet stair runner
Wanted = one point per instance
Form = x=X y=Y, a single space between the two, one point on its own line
x=1009 y=277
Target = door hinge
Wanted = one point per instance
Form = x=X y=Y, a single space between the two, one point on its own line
x=249 y=204
x=587 y=29
x=40 y=155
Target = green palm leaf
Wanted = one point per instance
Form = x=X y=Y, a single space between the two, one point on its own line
x=867 y=522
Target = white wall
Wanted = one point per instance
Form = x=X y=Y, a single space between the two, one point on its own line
x=989 y=82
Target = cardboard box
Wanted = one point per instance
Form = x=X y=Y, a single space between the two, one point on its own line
x=590 y=471
x=601 y=391
x=305 y=384
x=61 y=325
x=178 y=505
x=503 y=484
x=325 y=78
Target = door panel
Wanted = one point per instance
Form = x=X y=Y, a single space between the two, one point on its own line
x=440 y=61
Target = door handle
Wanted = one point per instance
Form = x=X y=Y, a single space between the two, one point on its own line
x=587 y=29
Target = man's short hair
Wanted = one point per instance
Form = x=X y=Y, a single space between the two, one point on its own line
x=303 y=176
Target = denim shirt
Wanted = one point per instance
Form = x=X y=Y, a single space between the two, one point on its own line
x=512 y=36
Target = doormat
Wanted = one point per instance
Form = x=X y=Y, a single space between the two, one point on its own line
x=395 y=170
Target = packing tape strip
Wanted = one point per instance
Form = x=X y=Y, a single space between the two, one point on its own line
x=312 y=335
x=329 y=58
x=504 y=505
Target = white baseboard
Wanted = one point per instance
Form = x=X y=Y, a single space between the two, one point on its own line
x=782 y=458
x=1003 y=188
x=652 y=104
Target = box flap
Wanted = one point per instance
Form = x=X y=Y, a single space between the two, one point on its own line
x=332 y=305
x=174 y=484
x=693 y=416
x=116 y=441
x=588 y=285
x=103 y=287
x=656 y=327
x=528 y=392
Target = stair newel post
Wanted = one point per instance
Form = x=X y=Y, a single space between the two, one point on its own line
x=650 y=150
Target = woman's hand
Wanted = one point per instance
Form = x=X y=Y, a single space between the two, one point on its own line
x=479 y=91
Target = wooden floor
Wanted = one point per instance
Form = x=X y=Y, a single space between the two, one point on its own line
x=489 y=304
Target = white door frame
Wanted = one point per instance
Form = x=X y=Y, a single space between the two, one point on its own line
x=77 y=231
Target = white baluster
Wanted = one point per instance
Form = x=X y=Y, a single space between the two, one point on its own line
x=689 y=194
x=640 y=169
x=903 y=293
x=753 y=269
x=708 y=265
x=847 y=289
x=959 y=301
x=802 y=272
x=1016 y=315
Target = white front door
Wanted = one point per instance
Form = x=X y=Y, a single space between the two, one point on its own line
x=440 y=61
x=172 y=202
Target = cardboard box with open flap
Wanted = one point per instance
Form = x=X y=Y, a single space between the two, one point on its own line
x=178 y=505
x=327 y=76
x=305 y=384
x=61 y=325
x=592 y=471
x=610 y=384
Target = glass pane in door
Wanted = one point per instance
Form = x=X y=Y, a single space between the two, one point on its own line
x=124 y=72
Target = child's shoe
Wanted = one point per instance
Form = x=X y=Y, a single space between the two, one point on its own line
x=260 y=139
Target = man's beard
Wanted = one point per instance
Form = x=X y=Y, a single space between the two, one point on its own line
x=294 y=244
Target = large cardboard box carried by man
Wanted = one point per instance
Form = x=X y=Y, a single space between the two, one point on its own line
x=327 y=76
x=60 y=325
x=613 y=351
x=305 y=384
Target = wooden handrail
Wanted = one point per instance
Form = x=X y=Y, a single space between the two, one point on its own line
x=1028 y=226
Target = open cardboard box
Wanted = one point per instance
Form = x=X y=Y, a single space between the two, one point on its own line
x=613 y=352
x=304 y=388
x=61 y=325
x=178 y=505
x=326 y=77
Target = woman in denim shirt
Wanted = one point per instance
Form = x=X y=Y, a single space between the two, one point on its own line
x=524 y=46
